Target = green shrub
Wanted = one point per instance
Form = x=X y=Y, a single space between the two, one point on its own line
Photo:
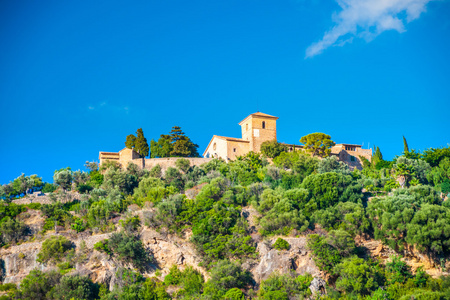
x=12 y=230
x=126 y=248
x=234 y=294
x=54 y=249
x=285 y=286
x=328 y=252
x=281 y=244
x=190 y=280
x=183 y=164
x=131 y=224
x=102 y=246
x=75 y=287
x=7 y=287
x=37 y=284
x=356 y=275
x=78 y=225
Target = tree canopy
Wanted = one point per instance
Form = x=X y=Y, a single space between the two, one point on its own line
x=174 y=144
x=138 y=142
x=318 y=144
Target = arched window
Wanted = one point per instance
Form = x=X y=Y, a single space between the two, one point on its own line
x=214 y=146
x=246 y=126
x=264 y=124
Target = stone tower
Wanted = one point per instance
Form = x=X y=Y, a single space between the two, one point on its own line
x=258 y=128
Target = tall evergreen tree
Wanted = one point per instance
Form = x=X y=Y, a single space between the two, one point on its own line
x=141 y=145
x=131 y=141
x=175 y=144
x=405 y=145
x=377 y=157
x=162 y=147
x=139 y=142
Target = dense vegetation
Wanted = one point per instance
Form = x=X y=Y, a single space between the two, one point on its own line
x=400 y=202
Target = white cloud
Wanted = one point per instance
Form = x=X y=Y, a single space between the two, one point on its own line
x=367 y=19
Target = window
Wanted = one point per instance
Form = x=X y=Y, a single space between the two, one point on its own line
x=246 y=126
x=264 y=124
x=214 y=146
x=234 y=149
x=352 y=158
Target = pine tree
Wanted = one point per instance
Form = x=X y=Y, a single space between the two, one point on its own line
x=405 y=145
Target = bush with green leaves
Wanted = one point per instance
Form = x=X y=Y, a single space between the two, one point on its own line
x=20 y=186
x=37 y=285
x=74 y=287
x=183 y=164
x=140 y=290
x=54 y=249
x=332 y=164
x=56 y=214
x=49 y=188
x=329 y=251
x=78 y=225
x=345 y=215
x=434 y=156
x=285 y=286
x=356 y=275
x=126 y=248
x=190 y=281
x=120 y=180
x=282 y=211
x=218 y=229
x=63 y=178
x=98 y=214
x=10 y=211
x=397 y=271
x=167 y=211
x=12 y=230
x=281 y=244
x=131 y=224
x=226 y=275
x=327 y=189
x=273 y=149
x=174 y=178
x=411 y=216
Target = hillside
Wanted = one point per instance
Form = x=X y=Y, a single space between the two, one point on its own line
x=296 y=228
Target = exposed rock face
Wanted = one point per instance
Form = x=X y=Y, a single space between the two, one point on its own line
x=20 y=260
x=317 y=286
x=296 y=259
x=413 y=257
x=170 y=250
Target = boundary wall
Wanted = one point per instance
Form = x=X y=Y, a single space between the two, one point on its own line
x=170 y=162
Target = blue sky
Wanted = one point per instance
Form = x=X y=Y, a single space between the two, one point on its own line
x=77 y=77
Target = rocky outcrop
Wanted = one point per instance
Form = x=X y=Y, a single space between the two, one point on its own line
x=296 y=259
x=20 y=260
x=411 y=255
x=169 y=250
x=317 y=286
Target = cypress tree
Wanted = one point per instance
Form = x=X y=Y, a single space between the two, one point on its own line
x=141 y=145
x=405 y=145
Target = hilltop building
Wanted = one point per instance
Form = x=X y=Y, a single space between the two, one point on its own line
x=126 y=156
x=258 y=128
